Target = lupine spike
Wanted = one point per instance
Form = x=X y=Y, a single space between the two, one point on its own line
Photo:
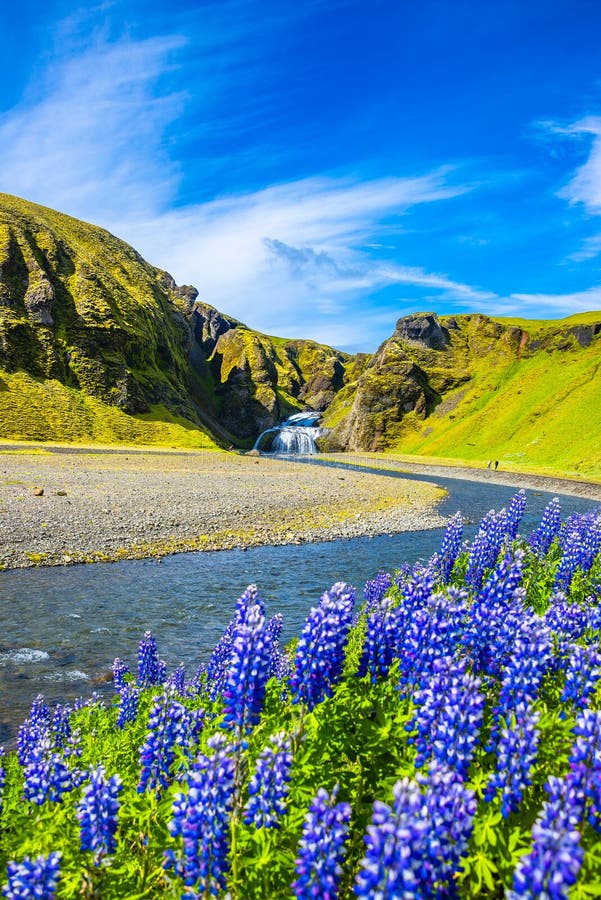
x=33 y=879
x=322 y=848
x=97 y=814
x=268 y=788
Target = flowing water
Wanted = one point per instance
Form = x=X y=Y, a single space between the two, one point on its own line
x=61 y=628
x=293 y=437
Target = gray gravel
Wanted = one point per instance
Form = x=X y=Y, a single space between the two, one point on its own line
x=107 y=505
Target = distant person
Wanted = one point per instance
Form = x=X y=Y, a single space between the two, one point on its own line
x=489 y=464
x=496 y=464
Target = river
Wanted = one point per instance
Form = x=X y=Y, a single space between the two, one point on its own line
x=61 y=627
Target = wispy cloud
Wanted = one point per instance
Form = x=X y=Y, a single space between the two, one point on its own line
x=93 y=135
x=584 y=185
x=563 y=304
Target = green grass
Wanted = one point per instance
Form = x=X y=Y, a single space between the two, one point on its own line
x=37 y=410
x=539 y=412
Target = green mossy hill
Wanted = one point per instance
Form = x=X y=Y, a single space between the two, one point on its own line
x=84 y=318
x=257 y=379
x=473 y=387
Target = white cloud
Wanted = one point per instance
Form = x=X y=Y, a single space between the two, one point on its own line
x=562 y=304
x=585 y=184
x=92 y=137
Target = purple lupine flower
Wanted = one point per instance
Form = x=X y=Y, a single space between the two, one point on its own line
x=450 y=547
x=320 y=650
x=248 y=672
x=151 y=669
x=567 y=621
x=268 y=787
x=523 y=675
x=97 y=814
x=201 y=817
x=120 y=670
x=46 y=775
x=494 y=615
x=129 y=701
x=516 y=752
x=448 y=716
x=450 y=808
x=541 y=539
x=178 y=680
x=570 y=559
x=168 y=727
x=34 y=730
x=279 y=664
x=433 y=632
x=246 y=601
x=322 y=848
x=218 y=665
x=585 y=763
x=553 y=864
x=375 y=589
x=395 y=846
x=379 y=648
x=33 y=879
x=486 y=547
x=582 y=676
x=61 y=725
x=515 y=513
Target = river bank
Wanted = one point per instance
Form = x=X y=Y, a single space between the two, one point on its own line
x=104 y=505
x=527 y=480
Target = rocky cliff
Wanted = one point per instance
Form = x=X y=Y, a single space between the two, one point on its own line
x=81 y=309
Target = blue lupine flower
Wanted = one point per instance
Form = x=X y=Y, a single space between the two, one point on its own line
x=120 y=670
x=61 y=725
x=450 y=547
x=567 y=621
x=246 y=601
x=178 y=680
x=322 y=848
x=580 y=541
x=97 y=814
x=523 y=675
x=515 y=513
x=47 y=775
x=541 y=539
x=495 y=615
x=248 y=672
x=553 y=864
x=129 y=701
x=450 y=808
x=516 y=752
x=279 y=664
x=151 y=669
x=218 y=665
x=202 y=819
x=379 y=648
x=448 y=716
x=320 y=652
x=582 y=676
x=434 y=631
x=33 y=730
x=33 y=879
x=486 y=547
x=268 y=786
x=393 y=865
x=585 y=762
x=375 y=589
x=169 y=726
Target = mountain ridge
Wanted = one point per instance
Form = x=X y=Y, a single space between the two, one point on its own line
x=98 y=344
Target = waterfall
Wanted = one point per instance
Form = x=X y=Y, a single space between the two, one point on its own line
x=295 y=436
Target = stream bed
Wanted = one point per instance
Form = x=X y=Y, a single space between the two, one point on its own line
x=62 y=627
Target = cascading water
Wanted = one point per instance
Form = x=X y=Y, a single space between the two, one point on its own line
x=295 y=436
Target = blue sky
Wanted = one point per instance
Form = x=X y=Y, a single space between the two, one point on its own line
x=319 y=169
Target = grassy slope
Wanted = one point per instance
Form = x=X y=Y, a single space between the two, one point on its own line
x=111 y=314
x=536 y=412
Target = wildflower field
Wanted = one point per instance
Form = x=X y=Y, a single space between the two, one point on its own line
x=441 y=738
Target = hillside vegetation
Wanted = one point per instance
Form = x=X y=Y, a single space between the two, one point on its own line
x=475 y=388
